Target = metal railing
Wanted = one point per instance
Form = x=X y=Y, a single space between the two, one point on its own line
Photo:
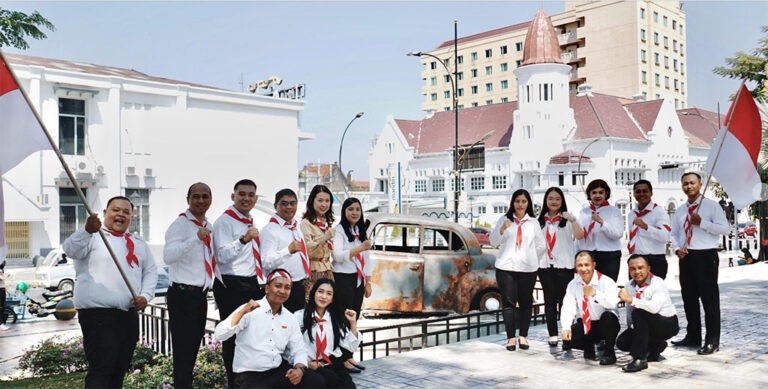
x=154 y=330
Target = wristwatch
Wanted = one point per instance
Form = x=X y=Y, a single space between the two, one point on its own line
x=242 y=241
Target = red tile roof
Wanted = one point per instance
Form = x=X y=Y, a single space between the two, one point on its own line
x=603 y=115
x=80 y=67
x=436 y=134
x=645 y=113
x=541 y=45
x=568 y=156
x=700 y=125
x=486 y=34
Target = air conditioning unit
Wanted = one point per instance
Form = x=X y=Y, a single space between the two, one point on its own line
x=148 y=172
x=81 y=166
x=130 y=170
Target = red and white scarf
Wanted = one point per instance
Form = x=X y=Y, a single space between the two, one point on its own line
x=635 y=228
x=131 y=256
x=299 y=237
x=255 y=245
x=325 y=227
x=211 y=269
x=359 y=261
x=586 y=318
x=321 y=342
x=595 y=210
x=687 y=225
x=551 y=233
x=519 y=236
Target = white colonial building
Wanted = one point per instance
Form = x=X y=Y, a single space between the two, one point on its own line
x=547 y=137
x=127 y=133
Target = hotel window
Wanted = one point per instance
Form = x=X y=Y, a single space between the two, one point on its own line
x=666 y=82
x=645 y=95
x=666 y=62
x=433 y=65
x=519 y=46
x=474 y=56
x=504 y=84
x=433 y=96
x=682 y=67
x=438 y=185
x=447 y=62
x=460 y=92
x=499 y=182
x=474 y=89
x=560 y=179
x=674 y=45
x=474 y=73
x=528 y=131
x=656 y=58
x=488 y=70
x=447 y=94
x=518 y=63
x=453 y=184
x=644 y=76
x=676 y=86
x=460 y=59
x=72 y=126
x=665 y=20
x=682 y=52
x=447 y=78
x=503 y=49
x=72 y=213
x=499 y=209
x=642 y=13
x=642 y=34
x=140 y=220
x=488 y=102
x=475 y=104
x=666 y=42
x=643 y=55
x=656 y=38
x=682 y=86
x=477 y=183
x=460 y=75
x=421 y=186
x=504 y=67
x=505 y=99
x=488 y=53
x=681 y=28
x=489 y=87
x=674 y=24
x=433 y=80
x=481 y=209
x=657 y=79
x=655 y=17
x=674 y=64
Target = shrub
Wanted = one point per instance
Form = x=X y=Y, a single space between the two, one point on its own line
x=143 y=355
x=54 y=356
x=156 y=375
x=209 y=369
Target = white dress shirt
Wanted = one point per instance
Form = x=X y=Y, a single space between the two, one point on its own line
x=705 y=236
x=275 y=239
x=233 y=257
x=99 y=284
x=524 y=258
x=605 y=237
x=605 y=299
x=185 y=253
x=263 y=339
x=348 y=340
x=654 y=239
x=342 y=263
x=654 y=298
x=564 y=249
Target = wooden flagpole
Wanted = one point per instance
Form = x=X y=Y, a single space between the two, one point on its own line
x=67 y=170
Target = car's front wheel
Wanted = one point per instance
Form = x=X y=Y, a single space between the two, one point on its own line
x=66 y=285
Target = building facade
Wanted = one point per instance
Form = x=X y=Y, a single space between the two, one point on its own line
x=123 y=132
x=621 y=48
x=548 y=136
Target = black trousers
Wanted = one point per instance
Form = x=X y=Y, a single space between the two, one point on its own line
x=336 y=375
x=238 y=291
x=349 y=296
x=605 y=329
x=554 y=281
x=658 y=263
x=298 y=298
x=517 y=300
x=648 y=335
x=608 y=262
x=109 y=338
x=187 y=310
x=698 y=281
x=275 y=378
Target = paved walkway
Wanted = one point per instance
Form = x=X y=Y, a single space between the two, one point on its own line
x=741 y=362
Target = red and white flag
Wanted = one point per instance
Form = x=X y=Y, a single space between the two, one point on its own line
x=736 y=166
x=20 y=134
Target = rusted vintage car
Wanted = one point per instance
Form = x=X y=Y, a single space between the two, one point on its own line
x=423 y=264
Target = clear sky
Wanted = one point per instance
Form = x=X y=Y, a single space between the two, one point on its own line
x=350 y=55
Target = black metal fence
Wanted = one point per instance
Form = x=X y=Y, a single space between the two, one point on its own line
x=154 y=330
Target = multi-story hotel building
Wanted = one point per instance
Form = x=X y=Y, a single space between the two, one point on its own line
x=621 y=48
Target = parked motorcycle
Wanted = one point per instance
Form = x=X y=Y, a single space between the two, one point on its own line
x=58 y=303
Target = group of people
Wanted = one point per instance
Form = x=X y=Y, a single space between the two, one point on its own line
x=545 y=247
x=288 y=294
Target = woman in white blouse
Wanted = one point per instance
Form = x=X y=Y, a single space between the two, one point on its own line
x=556 y=266
x=326 y=332
x=351 y=264
x=517 y=261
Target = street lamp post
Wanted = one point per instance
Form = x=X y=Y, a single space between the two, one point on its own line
x=454 y=86
x=341 y=144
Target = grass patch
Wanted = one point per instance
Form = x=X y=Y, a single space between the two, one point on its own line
x=70 y=380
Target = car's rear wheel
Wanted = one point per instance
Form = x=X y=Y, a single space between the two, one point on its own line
x=488 y=300
x=66 y=285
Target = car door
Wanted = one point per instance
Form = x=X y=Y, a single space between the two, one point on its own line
x=446 y=260
x=398 y=269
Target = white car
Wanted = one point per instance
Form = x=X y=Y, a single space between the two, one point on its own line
x=57 y=272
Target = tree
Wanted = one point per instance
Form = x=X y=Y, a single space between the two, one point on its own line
x=16 y=26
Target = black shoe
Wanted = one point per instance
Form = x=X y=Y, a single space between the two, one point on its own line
x=656 y=355
x=708 y=349
x=524 y=346
x=686 y=342
x=609 y=358
x=552 y=343
x=566 y=346
x=354 y=370
x=635 y=366
x=358 y=365
x=589 y=353
x=511 y=347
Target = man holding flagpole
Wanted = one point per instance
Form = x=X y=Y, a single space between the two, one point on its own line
x=106 y=309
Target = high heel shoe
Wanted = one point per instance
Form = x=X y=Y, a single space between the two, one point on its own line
x=511 y=347
x=357 y=365
x=523 y=346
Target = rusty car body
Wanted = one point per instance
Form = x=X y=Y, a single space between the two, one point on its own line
x=423 y=264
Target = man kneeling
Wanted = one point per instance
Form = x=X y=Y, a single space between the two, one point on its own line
x=593 y=297
x=651 y=317
x=268 y=338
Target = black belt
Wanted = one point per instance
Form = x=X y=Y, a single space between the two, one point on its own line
x=188 y=288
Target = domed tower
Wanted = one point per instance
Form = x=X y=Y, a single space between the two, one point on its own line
x=543 y=116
